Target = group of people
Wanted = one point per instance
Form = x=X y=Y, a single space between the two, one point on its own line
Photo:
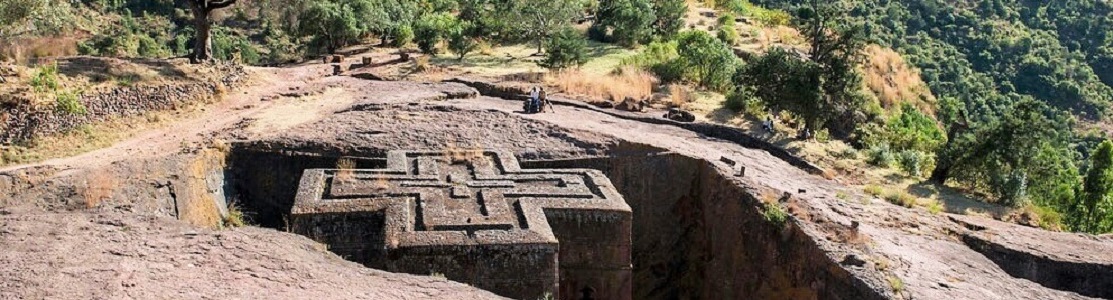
x=803 y=134
x=537 y=101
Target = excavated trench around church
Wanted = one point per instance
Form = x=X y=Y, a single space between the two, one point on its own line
x=696 y=233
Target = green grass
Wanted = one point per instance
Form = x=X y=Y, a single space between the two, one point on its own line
x=873 y=190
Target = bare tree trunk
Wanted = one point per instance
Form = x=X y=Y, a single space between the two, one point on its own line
x=202 y=41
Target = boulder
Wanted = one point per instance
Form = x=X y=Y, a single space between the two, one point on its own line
x=680 y=115
x=631 y=104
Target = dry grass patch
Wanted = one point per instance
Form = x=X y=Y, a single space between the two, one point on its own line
x=680 y=95
x=344 y=169
x=934 y=206
x=894 y=81
x=628 y=82
x=901 y=198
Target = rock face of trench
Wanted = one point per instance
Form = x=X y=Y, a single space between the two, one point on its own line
x=696 y=234
x=699 y=235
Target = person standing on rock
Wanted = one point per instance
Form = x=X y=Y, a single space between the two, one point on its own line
x=544 y=101
x=529 y=107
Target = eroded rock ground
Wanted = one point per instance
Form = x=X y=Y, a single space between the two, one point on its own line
x=105 y=224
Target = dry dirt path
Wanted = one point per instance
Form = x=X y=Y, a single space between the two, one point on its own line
x=261 y=93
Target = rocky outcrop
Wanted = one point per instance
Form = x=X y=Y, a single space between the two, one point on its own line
x=1061 y=261
x=22 y=123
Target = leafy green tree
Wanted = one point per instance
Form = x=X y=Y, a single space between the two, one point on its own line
x=835 y=49
x=794 y=86
x=1094 y=213
x=705 y=60
x=1023 y=156
x=402 y=35
x=630 y=21
x=329 y=25
x=34 y=17
x=537 y=20
x=670 y=17
x=431 y=29
x=459 y=41
x=565 y=49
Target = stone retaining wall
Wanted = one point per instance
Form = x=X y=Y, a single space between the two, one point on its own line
x=22 y=123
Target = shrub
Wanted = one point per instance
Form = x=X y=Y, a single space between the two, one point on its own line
x=656 y=53
x=67 y=102
x=873 y=190
x=706 y=61
x=565 y=49
x=880 y=156
x=727 y=32
x=430 y=29
x=737 y=100
x=1046 y=217
x=772 y=18
x=847 y=153
x=45 y=79
x=235 y=217
x=911 y=162
x=773 y=213
x=402 y=36
x=896 y=284
x=1012 y=187
x=598 y=33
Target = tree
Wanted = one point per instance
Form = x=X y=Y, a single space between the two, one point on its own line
x=459 y=41
x=706 y=60
x=203 y=23
x=835 y=48
x=565 y=49
x=1094 y=213
x=631 y=21
x=15 y=12
x=793 y=86
x=34 y=17
x=330 y=25
x=431 y=29
x=670 y=17
x=1023 y=156
x=538 y=20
